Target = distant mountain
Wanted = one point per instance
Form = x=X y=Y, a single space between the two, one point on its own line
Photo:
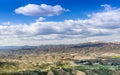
x=9 y=47
x=16 y=47
x=89 y=45
x=83 y=48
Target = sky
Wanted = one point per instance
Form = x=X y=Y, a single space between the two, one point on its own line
x=41 y=22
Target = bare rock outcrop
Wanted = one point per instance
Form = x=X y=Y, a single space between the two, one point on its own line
x=77 y=72
x=50 y=73
x=62 y=72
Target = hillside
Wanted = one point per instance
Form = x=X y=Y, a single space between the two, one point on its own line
x=86 y=58
x=83 y=48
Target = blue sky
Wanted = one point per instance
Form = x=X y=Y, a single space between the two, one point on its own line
x=78 y=9
x=36 y=22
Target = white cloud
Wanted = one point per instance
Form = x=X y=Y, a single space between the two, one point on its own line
x=40 y=19
x=107 y=7
x=103 y=26
x=40 y=10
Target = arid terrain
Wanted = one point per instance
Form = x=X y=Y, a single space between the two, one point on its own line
x=93 y=58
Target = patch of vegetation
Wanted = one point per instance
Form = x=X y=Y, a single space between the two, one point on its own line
x=117 y=57
x=98 y=69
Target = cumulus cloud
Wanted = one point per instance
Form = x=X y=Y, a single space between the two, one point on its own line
x=40 y=10
x=102 y=26
x=40 y=19
x=107 y=7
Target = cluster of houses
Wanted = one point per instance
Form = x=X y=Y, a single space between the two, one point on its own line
x=109 y=62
